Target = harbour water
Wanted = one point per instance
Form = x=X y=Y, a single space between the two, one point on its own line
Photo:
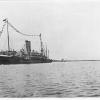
x=58 y=79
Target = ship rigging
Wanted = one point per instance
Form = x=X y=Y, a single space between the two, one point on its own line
x=22 y=57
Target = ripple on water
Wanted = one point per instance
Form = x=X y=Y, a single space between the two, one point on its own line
x=74 y=79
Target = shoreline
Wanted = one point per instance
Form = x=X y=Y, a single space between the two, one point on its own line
x=72 y=60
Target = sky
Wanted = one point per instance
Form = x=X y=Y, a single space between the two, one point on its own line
x=69 y=28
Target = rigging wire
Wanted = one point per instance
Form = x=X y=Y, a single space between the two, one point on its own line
x=2 y=29
x=26 y=34
x=19 y=31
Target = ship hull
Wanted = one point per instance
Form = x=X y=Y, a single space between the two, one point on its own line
x=20 y=60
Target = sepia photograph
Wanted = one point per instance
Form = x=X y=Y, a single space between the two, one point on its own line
x=49 y=48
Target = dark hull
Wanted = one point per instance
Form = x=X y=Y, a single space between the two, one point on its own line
x=20 y=60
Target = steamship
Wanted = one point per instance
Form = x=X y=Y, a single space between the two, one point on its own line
x=23 y=56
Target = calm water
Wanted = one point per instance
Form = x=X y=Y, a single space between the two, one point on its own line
x=67 y=79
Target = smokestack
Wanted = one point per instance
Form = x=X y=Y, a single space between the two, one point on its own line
x=28 y=47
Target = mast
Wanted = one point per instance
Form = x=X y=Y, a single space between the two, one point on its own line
x=8 y=36
x=6 y=21
x=46 y=51
x=41 y=44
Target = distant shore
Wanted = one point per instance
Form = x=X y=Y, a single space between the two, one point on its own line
x=72 y=60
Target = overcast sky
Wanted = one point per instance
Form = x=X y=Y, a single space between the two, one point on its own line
x=71 y=29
